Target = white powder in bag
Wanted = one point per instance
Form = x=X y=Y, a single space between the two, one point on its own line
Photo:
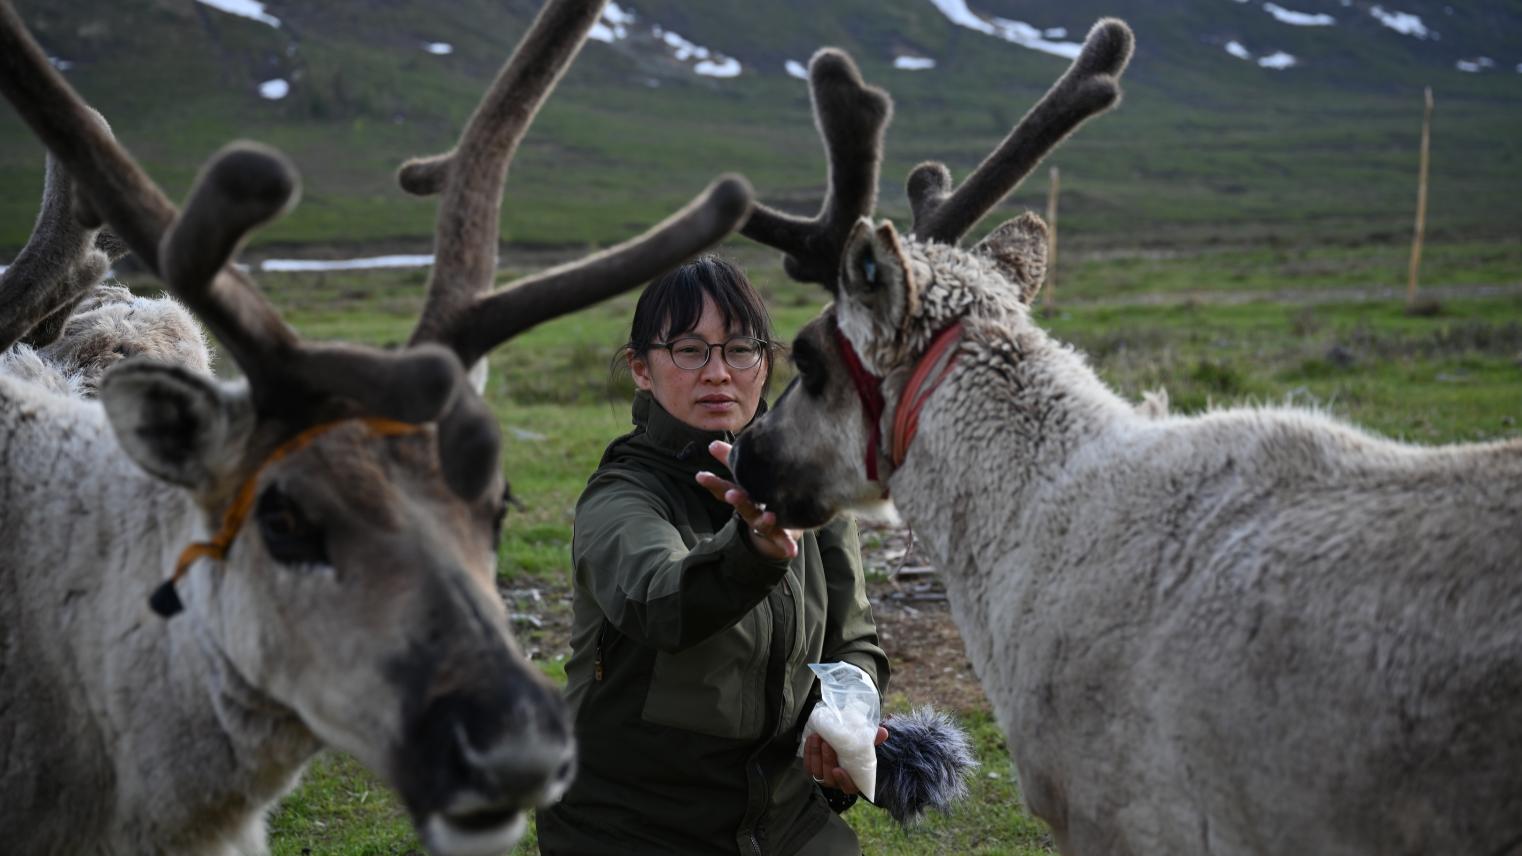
x=853 y=738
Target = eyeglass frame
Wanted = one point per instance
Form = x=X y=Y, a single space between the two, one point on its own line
x=761 y=346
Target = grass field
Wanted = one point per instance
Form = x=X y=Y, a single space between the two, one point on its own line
x=1215 y=328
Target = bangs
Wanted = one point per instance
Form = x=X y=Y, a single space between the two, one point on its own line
x=673 y=304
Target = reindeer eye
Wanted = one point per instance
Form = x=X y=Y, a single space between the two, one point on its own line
x=807 y=364
x=289 y=535
x=869 y=269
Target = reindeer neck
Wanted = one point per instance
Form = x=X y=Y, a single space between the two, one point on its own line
x=140 y=694
x=1019 y=408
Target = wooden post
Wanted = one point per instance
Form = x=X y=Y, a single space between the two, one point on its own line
x=1051 y=247
x=1421 y=203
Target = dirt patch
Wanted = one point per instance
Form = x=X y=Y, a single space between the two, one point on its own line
x=908 y=600
x=925 y=651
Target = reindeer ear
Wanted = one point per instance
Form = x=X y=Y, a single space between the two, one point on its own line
x=876 y=275
x=173 y=423
x=1019 y=249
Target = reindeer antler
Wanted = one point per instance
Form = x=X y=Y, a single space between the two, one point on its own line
x=242 y=187
x=459 y=310
x=1087 y=89
x=54 y=269
x=851 y=117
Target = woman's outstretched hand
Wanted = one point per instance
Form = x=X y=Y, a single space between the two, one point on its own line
x=768 y=539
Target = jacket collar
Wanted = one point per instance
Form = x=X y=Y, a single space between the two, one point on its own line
x=682 y=441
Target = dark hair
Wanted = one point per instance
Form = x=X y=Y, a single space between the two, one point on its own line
x=673 y=303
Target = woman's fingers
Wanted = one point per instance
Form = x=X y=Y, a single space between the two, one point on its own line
x=811 y=762
x=720 y=451
x=715 y=485
x=767 y=537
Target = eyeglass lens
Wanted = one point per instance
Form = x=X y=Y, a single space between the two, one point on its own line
x=740 y=352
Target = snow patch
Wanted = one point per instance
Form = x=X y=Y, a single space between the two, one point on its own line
x=1477 y=64
x=612 y=25
x=685 y=50
x=796 y=69
x=1014 y=32
x=299 y=265
x=727 y=67
x=615 y=24
x=1402 y=22
x=616 y=15
x=60 y=64
x=1277 y=60
x=244 y=9
x=274 y=90
x=438 y=48
x=1298 y=19
x=913 y=63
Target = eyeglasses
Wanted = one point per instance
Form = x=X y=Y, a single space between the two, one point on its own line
x=692 y=353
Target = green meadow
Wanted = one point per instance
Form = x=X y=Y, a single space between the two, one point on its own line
x=1320 y=327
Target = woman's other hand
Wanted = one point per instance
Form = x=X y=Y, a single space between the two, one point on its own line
x=820 y=762
x=768 y=539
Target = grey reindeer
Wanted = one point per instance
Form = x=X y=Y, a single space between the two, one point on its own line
x=1257 y=630
x=331 y=519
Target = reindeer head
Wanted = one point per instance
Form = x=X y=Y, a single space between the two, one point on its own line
x=354 y=494
x=834 y=435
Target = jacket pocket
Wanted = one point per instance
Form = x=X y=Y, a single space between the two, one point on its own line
x=717 y=687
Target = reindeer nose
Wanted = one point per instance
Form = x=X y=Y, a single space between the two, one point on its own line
x=511 y=752
x=748 y=465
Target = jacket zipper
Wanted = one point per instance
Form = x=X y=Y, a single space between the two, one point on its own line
x=755 y=842
x=597 y=671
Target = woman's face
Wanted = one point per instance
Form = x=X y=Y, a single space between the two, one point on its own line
x=716 y=397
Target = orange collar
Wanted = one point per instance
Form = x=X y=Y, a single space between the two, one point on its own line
x=164 y=600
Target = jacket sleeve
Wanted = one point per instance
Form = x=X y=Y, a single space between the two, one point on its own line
x=850 y=634
x=648 y=583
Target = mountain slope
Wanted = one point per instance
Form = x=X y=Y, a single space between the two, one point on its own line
x=1210 y=144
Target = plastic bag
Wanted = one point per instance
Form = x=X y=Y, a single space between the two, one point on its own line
x=847 y=717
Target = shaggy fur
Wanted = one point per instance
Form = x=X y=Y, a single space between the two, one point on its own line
x=1252 y=631
x=108 y=326
x=922 y=765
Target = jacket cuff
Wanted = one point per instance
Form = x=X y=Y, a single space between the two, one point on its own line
x=741 y=559
x=867 y=663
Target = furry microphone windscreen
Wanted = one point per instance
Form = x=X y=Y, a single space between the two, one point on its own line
x=923 y=764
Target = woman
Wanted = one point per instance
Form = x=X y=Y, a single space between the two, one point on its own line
x=696 y=615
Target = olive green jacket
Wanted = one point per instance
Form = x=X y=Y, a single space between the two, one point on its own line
x=689 y=681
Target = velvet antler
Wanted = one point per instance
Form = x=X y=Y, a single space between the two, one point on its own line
x=461 y=310
x=243 y=187
x=851 y=117
x=1088 y=88
x=57 y=265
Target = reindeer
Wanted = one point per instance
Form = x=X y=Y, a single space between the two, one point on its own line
x=1255 y=630
x=331 y=518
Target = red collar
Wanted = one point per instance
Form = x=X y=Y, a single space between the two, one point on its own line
x=929 y=372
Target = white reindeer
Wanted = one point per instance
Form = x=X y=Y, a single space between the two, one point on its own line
x=1253 y=631
x=349 y=498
